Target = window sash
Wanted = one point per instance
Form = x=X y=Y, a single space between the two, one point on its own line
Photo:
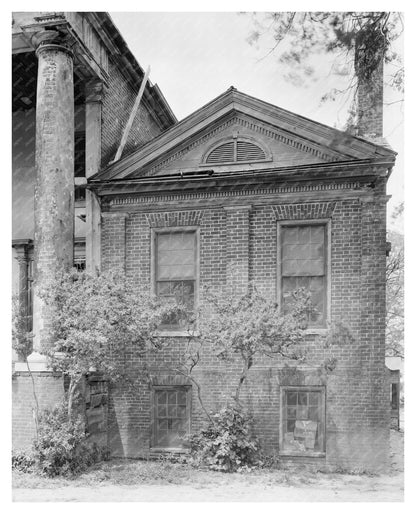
x=176 y=271
x=308 y=241
x=171 y=279
x=302 y=423
x=171 y=416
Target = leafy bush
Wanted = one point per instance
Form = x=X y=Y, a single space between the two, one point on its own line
x=62 y=447
x=23 y=460
x=227 y=443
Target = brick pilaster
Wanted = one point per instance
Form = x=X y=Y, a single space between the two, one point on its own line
x=237 y=267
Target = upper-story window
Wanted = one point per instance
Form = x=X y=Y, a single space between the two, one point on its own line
x=236 y=151
x=303 y=264
x=176 y=270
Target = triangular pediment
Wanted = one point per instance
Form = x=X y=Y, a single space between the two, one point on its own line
x=282 y=138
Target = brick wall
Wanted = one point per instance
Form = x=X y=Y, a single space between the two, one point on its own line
x=49 y=391
x=370 y=104
x=245 y=239
x=118 y=101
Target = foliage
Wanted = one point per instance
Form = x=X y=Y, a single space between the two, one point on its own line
x=62 y=447
x=250 y=326
x=395 y=296
x=227 y=443
x=23 y=460
x=22 y=339
x=96 y=319
x=361 y=40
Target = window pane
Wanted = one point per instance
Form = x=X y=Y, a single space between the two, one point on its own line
x=161 y=411
x=161 y=397
x=314 y=398
x=172 y=411
x=317 y=233
x=304 y=234
x=291 y=412
x=181 y=398
x=289 y=235
x=172 y=398
x=292 y=398
x=304 y=433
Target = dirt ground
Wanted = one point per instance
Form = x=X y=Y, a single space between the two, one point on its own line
x=261 y=486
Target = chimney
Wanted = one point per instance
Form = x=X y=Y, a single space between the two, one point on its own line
x=369 y=99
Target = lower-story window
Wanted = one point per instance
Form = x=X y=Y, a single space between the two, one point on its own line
x=302 y=420
x=171 y=416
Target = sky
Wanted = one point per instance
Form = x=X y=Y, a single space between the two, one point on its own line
x=196 y=56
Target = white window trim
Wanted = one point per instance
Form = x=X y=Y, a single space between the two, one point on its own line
x=320 y=389
x=167 y=230
x=327 y=222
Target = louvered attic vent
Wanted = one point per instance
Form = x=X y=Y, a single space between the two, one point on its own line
x=236 y=151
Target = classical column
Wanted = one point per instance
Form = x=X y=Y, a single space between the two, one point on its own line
x=93 y=98
x=54 y=192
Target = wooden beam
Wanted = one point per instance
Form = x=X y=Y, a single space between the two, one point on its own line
x=132 y=116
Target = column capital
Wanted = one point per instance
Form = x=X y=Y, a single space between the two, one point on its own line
x=22 y=247
x=51 y=40
x=93 y=91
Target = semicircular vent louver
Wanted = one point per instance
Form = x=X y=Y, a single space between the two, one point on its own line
x=223 y=153
x=249 y=152
x=236 y=151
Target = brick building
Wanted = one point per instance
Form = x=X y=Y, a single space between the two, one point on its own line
x=243 y=191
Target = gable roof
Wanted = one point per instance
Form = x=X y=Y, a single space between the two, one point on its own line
x=338 y=143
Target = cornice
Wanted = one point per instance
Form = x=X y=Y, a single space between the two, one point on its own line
x=129 y=200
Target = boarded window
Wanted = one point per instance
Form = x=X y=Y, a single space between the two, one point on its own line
x=176 y=270
x=303 y=265
x=303 y=420
x=171 y=416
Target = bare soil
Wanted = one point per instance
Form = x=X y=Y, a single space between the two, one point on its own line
x=121 y=481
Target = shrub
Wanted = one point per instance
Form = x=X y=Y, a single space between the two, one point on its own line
x=23 y=460
x=62 y=447
x=227 y=443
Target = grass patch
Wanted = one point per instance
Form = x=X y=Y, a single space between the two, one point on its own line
x=137 y=472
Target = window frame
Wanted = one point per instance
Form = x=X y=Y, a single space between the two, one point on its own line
x=154 y=417
x=153 y=256
x=303 y=389
x=319 y=329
